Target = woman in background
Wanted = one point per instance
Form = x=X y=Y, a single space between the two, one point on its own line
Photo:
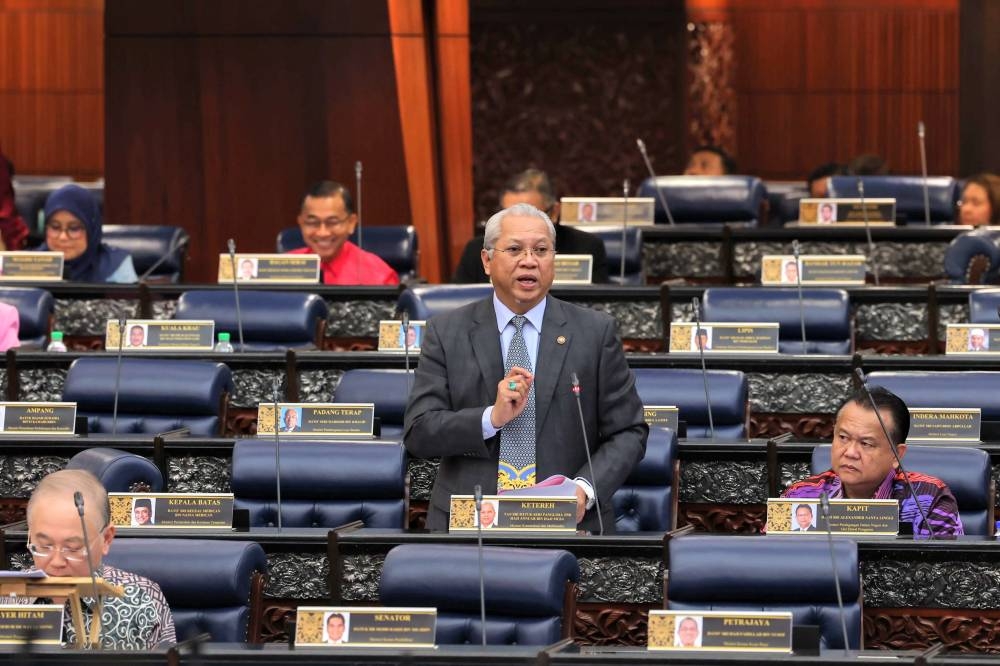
x=13 y=231
x=980 y=204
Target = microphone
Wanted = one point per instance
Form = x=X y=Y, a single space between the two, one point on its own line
x=357 y=187
x=586 y=449
x=406 y=347
x=166 y=255
x=231 y=244
x=118 y=375
x=78 y=501
x=868 y=231
x=824 y=503
x=798 y=283
x=923 y=170
x=704 y=373
x=478 y=491
x=621 y=269
x=277 y=455
x=652 y=174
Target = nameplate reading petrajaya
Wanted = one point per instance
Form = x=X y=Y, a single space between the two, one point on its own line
x=392 y=337
x=171 y=510
x=720 y=631
x=42 y=622
x=316 y=419
x=946 y=424
x=157 y=335
x=365 y=627
x=31 y=266
x=604 y=211
x=812 y=270
x=718 y=338
x=519 y=513
x=847 y=212
x=37 y=418
x=972 y=339
x=663 y=416
x=573 y=269
x=790 y=515
x=270 y=268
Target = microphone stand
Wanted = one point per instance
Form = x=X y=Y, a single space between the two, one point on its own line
x=277 y=455
x=798 y=283
x=231 y=244
x=704 y=372
x=868 y=231
x=96 y=616
x=621 y=269
x=824 y=503
x=652 y=174
x=357 y=186
x=478 y=490
x=118 y=375
x=923 y=170
x=406 y=347
x=586 y=449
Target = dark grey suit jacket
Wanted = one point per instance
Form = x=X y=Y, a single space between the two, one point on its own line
x=460 y=366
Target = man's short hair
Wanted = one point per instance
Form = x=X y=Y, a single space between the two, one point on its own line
x=824 y=171
x=337 y=616
x=728 y=163
x=67 y=482
x=531 y=180
x=887 y=401
x=804 y=506
x=519 y=210
x=329 y=188
x=143 y=503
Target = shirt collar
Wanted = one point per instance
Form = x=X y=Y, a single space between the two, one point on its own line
x=504 y=314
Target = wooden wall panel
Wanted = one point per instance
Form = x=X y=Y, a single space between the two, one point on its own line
x=979 y=53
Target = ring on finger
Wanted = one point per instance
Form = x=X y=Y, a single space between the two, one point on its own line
x=512 y=386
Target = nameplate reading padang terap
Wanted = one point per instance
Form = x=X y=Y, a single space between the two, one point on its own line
x=724 y=338
x=313 y=419
x=270 y=268
x=847 y=516
x=663 y=416
x=521 y=513
x=43 y=623
x=37 y=418
x=171 y=510
x=813 y=269
x=947 y=424
x=365 y=627
x=27 y=266
x=720 y=631
x=151 y=335
x=573 y=269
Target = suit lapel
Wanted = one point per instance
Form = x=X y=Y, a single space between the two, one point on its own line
x=485 y=340
x=551 y=356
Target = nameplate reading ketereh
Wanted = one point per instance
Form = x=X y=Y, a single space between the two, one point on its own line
x=37 y=418
x=517 y=513
x=365 y=627
x=171 y=510
x=315 y=419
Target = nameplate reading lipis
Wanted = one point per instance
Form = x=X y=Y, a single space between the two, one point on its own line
x=812 y=269
x=847 y=516
x=947 y=424
x=364 y=627
x=171 y=510
x=28 y=266
x=392 y=337
x=972 y=339
x=521 y=513
x=724 y=338
x=607 y=210
x=848 y=212
x=312 y=419
x=270 y=268
x=37 y=418
x=43 y=623
x=157 y=335
x=661 y=416
x=720 y=631
x=573 y=269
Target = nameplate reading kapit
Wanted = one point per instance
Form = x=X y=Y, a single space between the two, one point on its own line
x=365 y=627
x=848 y=212
x=28 y=266
x=724 y=338
x=812 y=269
x=270 y=268
x=520 y=513
x=662 y=416
x=972 y=339
x=392 y=337
x=312 y=419
x=720 y=631
x=37 y=418
x=43 y=622
x=171 y=510
x=573 y=269
x=788 y=515
x=152 y=335
x=607 y=210
x=947 y=424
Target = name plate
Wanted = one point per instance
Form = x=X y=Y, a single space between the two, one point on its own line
x=814 y=269
x=573 y=269
x=607 y=210
x=44 y=622
x=37 y=418
x=521 y=513
x=848 y=212
x=724 y=338
x=270 y=268
x=947 y=424
x=172 y=510
x=143 y=335
x=972 y=339
x=787 y=515
x=720 y=631
x=31 y=266
x=392 y=337
x=662 y=416
x=356 y=626
x=310 y=419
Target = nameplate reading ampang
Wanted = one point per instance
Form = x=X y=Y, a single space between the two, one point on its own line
x=316 y=419
x=158 y=335
x=812 y=270
x=720 y=631
x=31 y=266
x=43 y=622
x=972 y=339
x=662 y=416
x=724 y=338
x=520 y=513
x=946 y=424
x=365 y=627
x=171 y=510
x=37 y=418
x=270 y=268
x=800 y=515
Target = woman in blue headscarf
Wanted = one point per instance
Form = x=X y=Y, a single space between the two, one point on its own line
x=73 y=227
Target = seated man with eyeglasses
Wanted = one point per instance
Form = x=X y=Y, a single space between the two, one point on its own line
x=327 y=220
x=138 y=620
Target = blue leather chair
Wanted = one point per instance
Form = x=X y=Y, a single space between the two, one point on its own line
x=612 y=237
x=983 y=304
x=827 y=314
x=35 y=308
x=148 y=244
x=156 y=395
x=774 y=573
x=966 y=470
x=708 y=199
x=944 y=389
x=272 y=320
x=973 y=258
x=386 y=389
x=647 y=501
x=530 y=592
x=30 y=204
x=395 y=245
x=213 y=586
x=908 y=191
x=685 y=389
x=783 y=201
x=323 y=483
x=425 y=301
x=119 y=471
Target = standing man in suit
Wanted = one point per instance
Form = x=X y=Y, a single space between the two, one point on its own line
x=492 y=393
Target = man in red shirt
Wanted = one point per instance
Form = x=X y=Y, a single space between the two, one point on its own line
x=327 y=220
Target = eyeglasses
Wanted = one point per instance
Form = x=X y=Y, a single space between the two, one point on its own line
x=515 y=252
x=330 y=223
x=77 y=554
x=72 y=230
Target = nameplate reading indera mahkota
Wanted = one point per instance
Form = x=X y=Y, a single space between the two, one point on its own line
x=848 y=212
x=37 y=418
x=972 y=339
x=812 y=269
x=270 y=268
x=27 y=266
x=43 y=622
x=521 y=513
x=724 y=338
x=607 y=210
x=313 y=419
x=573 y=269
x=171 y=510
x=365 y=627
x=661 y=416
x=152 y=335
x=947 y=424
x=720 y=631
x=847 y=516
x=392 y=337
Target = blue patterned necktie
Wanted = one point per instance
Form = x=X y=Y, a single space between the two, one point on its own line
x=517 y=437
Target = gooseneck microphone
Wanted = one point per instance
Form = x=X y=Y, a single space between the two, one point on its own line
x=406 y=347
x=621 y=268
x=118 y=375
x=696 y=306
x=166 y=255
x=78 y=501
x=798 y=283
x=923 y=171
x=824 y=503
x=868 y=231
x=652 y=174
x=231 y=244
x=586 y=449
x=357 y=187
x=478 y=493
x=277 y=454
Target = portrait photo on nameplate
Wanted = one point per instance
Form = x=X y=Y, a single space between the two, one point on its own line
x=972 y=339
x=316 y=419
x=573 y=269
x=724 y=338
x=158 y=335
x=270 y=268
x=720 y=631
x=663 y=416
x=365 y=627
x=392 y=337
x=604 y=211
x=514 y=513
x=42 y=622
x=171 y=510
x=812 y=270
x=37 y=418
x=787 y=515
x=31 y=266
x=847 y=212
x=945 y=424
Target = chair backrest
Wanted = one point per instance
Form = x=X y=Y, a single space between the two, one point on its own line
x=213 y=586
x=34 y=308
x=119 y=471
x=156 y=395
x=973 y=258
x=425 y=301
x=149 y=244
x=613 y=246
x=685 y=389
x=827 y=313
x=272 y=320
x=387 y=389
x=323 y=483
x=944 y=389
x=983 y=304
x=528 y=599
x=707 y=199
x=754 y=573
x=30 y=202
x=908 y=191
x=647 y=501
x=395 y=245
